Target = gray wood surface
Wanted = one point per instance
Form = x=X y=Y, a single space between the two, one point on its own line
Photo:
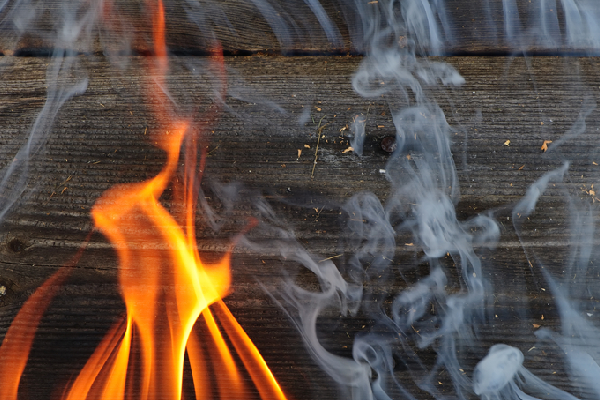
x=274 y=104
x=293 y=27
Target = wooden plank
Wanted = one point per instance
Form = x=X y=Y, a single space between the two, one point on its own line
x=104 y=137
x=191 y=27
x=294 y=27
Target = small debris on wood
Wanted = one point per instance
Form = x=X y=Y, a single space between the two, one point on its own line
x=350 y=148
x=299 y=153
x=521 y=167
x=507 y=143
x=307 y=146
x=594 y=162
x=62 y=184
x=382 y=171
x=319 y=130
x=213 y=150
x=329 y=258
x=545 y=145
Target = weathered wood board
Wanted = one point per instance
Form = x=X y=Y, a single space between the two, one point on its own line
x=273 y=107
x=291 y=27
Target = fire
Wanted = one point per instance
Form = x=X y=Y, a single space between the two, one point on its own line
x=166 y=287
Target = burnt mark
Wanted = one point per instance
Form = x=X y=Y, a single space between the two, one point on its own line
x=16 y=245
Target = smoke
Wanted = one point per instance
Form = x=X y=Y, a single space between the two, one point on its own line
x=501 y=375
x=566 y=25
x=424 y=192
x=424 y=329
x=572 y=290
x=64 y=78
x=425 y=326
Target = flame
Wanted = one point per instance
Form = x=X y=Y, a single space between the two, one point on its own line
x=165 y=285
x=14 y=351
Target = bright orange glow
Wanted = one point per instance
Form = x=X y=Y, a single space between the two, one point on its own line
x=253 y=361
x=19 y=337
x=165 y=285
x=96 y=362
x=17 y=342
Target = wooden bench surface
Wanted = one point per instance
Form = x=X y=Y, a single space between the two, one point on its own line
x=266 y=141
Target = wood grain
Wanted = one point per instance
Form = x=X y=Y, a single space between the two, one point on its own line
x=244 y=27
x=273 y=106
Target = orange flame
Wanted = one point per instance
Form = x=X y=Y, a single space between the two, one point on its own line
x=165 y=286
x=19 y=337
